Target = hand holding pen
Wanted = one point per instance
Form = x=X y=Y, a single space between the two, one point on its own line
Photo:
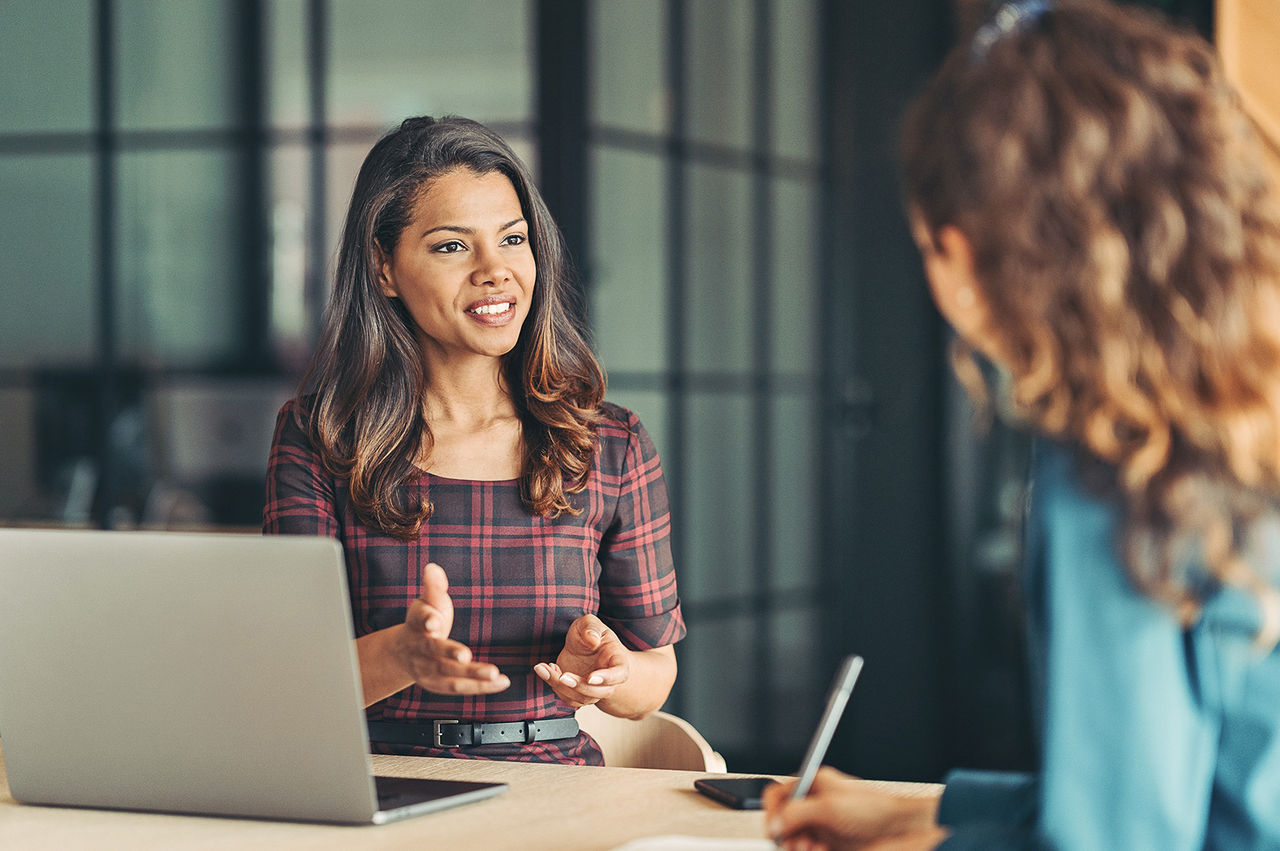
x=827 y=809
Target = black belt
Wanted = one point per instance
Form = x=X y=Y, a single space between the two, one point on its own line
x=462 y=734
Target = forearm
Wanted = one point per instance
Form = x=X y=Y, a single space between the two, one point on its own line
x=923 y=840
x=381 y=673
x=916 y=817
x=652 y=674
x=847 y=812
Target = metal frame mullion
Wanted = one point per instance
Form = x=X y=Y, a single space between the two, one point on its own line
x=762 y=363
x=317 y=142
x=254 y=220
x=677 y=200
x=104 y=146
x=561 y=72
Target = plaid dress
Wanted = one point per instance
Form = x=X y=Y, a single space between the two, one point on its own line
x=517 y=580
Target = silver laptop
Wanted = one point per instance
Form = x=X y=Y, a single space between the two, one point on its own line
x=209 y=674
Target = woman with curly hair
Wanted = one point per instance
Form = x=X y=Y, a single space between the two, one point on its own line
x=1096 y=222
x=506 y=530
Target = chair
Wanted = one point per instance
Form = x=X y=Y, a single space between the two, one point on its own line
x=661 y=740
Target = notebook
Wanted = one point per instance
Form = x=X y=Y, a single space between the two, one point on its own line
x=190 y=673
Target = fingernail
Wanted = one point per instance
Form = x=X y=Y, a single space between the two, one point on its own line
x=773 y=827
x=595 y=633
x=570 y=680
x=430 y=625
x=595 y=679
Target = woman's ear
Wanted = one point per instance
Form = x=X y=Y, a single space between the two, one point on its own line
x=382 y=263
x=949 y=264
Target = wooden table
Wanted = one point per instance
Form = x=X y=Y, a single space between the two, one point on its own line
x=570 y=808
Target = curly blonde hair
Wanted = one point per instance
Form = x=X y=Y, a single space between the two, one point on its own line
x=1128 y=243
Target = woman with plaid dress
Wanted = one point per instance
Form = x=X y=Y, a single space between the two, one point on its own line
x=506 y=530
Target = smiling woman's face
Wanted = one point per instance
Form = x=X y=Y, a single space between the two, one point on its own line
x=463 y=267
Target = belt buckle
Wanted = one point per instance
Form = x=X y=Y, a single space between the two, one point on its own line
x=435 y=731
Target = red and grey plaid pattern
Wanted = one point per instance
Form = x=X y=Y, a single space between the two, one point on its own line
x=517 y=580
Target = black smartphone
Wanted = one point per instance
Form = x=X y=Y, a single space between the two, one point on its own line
x=744 y=793
x=741 y=793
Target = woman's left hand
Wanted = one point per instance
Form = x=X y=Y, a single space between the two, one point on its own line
x=592 y=665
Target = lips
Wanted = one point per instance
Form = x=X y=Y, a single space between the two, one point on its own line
x=493 y=310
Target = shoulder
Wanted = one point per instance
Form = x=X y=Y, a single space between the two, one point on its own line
x=1071 y=531
x=617 y=421
x=294 y=458
x=620 y=426
x=622 y=439
x=291 y=423
x=1070 y=488
x=292 y=408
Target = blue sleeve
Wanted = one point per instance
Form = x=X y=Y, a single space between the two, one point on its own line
x=1128 y=748
x=1128 y=753
x=989 y=810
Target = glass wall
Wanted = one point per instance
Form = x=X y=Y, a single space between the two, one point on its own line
x=181 y=168
x=704 y=175
x=176 y=173
x=339 y=75
x=46 y=238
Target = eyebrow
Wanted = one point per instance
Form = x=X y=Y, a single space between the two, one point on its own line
x=469 y=231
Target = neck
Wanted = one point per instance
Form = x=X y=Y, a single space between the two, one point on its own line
x=468 y=392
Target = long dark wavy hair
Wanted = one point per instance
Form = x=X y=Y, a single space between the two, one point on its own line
x=1127 y=238
x=361 y=397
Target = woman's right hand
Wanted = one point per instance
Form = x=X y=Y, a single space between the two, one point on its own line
x=422 y=646
x=843 y=812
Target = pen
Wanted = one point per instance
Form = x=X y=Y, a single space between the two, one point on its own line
x=836 y=700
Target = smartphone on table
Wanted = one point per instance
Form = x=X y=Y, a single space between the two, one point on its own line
x=744 y=793
x=741 y=793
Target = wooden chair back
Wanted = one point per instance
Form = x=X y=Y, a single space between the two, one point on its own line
x=661 y=740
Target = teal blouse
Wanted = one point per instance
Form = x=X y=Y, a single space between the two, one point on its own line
x=1151 y=736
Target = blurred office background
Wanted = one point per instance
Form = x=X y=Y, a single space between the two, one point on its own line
x=173 y=175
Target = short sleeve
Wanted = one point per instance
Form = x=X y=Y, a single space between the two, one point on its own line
x=638 y=595
x=300 y=493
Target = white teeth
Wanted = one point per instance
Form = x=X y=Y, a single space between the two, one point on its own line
x=490 y=309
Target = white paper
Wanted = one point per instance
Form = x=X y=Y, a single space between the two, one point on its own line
x=696 y=843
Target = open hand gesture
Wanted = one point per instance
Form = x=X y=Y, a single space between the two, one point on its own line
x=429 y=656
x=592 y=665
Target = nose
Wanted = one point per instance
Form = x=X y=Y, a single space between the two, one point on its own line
x=491 y=268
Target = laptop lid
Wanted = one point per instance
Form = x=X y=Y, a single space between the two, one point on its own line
x=211 y=674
